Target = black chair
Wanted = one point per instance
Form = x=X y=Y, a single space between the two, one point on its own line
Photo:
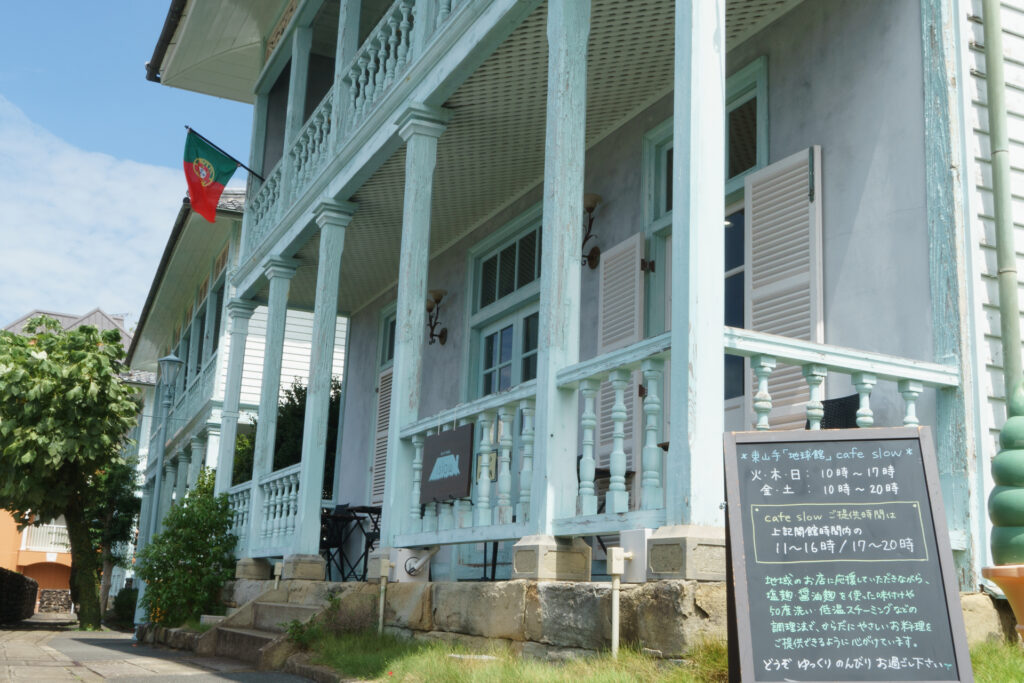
x=840 y=413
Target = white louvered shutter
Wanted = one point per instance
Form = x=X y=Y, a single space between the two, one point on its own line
x=620 y=322
x=380 y=439
x=783 y=254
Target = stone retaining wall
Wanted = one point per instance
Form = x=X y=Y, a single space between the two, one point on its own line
x=535 y=618
x=557 y=619
x=55 y=600
x=17 y=596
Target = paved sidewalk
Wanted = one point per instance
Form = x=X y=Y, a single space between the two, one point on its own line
x=41 y=652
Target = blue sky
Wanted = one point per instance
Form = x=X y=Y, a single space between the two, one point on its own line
x=90 y=154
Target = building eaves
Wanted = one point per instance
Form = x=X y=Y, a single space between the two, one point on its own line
x=231 y=200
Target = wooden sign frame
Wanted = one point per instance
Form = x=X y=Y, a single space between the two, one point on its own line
x=738 y=552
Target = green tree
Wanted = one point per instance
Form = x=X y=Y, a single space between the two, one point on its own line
x=112 y=514
x=186 y=565
x=64 y=414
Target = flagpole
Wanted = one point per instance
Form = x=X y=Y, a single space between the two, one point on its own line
x=229 y=156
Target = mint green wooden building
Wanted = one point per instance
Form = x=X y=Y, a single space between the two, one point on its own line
x=792 y=202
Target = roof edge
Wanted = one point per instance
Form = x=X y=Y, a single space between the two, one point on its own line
x=174 y=13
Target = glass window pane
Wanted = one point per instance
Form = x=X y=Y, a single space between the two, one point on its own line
x=489 y=360
x=200 y=338
x=218 y=300
x=734 y=384
x=530 y=367
x=531 y=325
x=540 y=251
x=388 y=343
x=734 y=228
x=488 y=281
x=488 y=383
x=743 y=137
x=527 y=260
x=734 y=300
x=507 y=274
x=667 y=179
x=505 y=378
x=506 y=345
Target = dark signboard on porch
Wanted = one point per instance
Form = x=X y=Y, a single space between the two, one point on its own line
x=447 y=465
x=841 y=566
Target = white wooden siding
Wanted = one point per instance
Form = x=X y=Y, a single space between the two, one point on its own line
x=979 y=179
x=295 y=357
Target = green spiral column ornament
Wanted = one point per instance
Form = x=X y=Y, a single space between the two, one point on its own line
x=1006 y=502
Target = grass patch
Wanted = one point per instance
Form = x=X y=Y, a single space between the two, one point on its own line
x=194 y=625
x=365 y=655
x=997 y=662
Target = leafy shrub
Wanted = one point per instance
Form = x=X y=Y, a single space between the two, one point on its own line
x=186 y=565
x=124 y=605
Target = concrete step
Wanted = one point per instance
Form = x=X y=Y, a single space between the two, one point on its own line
x=241 y=643
x=274 y=616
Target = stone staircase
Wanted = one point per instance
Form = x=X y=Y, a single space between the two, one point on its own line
x=255 y=633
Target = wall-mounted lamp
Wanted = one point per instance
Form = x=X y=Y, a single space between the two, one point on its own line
x=434 y=299
x=593 y=257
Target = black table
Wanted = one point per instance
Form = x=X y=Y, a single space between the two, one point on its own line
x=337 y=529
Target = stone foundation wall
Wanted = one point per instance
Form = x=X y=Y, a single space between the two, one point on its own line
x=55 y=600
x=549 y=618
x=556 y=619
x=17 y=596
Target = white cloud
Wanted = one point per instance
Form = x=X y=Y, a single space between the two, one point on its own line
x=77 y=229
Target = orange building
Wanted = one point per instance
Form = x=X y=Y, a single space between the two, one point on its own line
x=39 y=552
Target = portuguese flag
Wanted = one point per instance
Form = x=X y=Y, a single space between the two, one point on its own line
x=207 y=171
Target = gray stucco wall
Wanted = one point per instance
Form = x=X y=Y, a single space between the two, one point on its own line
x=824 y=62
x=848 y=76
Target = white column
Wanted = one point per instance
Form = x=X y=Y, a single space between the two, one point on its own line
x=420 y=127
x=239 y=313
x=693 y=469
x=212 y=449
x=145 y=515
x=345 y=52
x=333 y=219
x=298 y=78
x=554 y=494
x=170 y=468
x=181 y=460
x=279 y=273
x=197 y=446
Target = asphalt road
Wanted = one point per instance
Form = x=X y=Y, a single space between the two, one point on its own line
x=43 y=650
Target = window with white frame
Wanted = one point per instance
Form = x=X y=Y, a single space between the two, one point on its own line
x=746 y=151
x=505 y=290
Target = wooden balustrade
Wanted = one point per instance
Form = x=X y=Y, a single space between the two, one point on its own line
x=503 y=443
x=280 y=509
x=238 y=502
x=379 y=62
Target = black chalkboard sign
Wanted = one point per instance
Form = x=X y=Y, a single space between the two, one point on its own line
x=841 y=563
x=447 y=465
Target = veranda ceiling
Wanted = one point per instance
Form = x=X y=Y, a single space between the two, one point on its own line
x=493 y=149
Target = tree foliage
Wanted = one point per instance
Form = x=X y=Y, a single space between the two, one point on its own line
x=291 y=416
x=112 y=514
x=64 y=415
x=186 y=565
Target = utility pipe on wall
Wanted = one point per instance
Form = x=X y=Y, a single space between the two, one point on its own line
x=616 y=567
x=1006 y=501
x=385 y=568
x=1006 y=257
